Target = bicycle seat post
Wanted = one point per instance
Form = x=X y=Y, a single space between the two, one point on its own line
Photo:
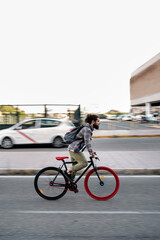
x=64 y=164
x=61 y=165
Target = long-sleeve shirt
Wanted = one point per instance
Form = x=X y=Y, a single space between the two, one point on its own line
x=83 y=141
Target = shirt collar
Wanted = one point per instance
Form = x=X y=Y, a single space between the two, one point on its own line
x=90 y=126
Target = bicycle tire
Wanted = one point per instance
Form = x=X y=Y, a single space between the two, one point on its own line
x=110 y=182
x=46 y=188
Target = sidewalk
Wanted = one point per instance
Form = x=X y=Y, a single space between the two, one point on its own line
x=123 y=162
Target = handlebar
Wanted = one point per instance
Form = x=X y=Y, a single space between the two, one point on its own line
x=95 y=158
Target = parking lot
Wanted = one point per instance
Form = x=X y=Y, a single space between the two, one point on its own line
x=126 y=125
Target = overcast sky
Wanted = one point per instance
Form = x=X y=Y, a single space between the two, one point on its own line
x=79 y=52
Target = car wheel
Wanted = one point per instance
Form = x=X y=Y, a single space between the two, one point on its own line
x=7 y=143
x=58 y=142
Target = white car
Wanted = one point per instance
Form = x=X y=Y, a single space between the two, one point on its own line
x=127 y=118
x=138 y=117
x=111 y=117
x=36 y=131
x=119 y=117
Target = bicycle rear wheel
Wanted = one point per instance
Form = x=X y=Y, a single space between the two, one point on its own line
x=50 y=183
x=102 y=185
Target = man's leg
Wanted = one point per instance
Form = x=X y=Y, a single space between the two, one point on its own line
x=81 y=162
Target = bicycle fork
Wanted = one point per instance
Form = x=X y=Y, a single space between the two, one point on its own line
x=100 y=181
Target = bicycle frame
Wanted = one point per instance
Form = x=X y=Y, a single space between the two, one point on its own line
x=85 y=170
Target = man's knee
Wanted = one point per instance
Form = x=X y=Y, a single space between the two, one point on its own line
x=85 y=164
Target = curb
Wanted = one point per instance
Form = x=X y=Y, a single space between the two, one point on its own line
x=33 y=172
x=126 y=136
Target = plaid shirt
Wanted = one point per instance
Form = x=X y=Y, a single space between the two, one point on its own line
x=83 y=141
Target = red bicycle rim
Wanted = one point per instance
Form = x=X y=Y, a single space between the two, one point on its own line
x=97 y=197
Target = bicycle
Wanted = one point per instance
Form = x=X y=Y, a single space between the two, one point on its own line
x=101 y=183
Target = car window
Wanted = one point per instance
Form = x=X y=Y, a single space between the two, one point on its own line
x=49 y=123
x=29 y=125
x=70 y=124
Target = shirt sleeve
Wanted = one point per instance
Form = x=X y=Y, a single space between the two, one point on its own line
x=87 y=140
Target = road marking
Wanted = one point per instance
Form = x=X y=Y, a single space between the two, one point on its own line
x=120 y=176
x=14 y=176
x=93 y=212
x=139 y=176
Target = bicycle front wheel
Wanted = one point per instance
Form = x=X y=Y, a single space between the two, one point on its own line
x=101 y=184
x=50 y=183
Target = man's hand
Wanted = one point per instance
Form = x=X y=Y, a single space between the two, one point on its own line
x=95 y=155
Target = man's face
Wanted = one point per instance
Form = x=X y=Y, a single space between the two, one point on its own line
x=96 y=123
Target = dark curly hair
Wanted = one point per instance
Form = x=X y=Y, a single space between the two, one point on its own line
x=91 y=117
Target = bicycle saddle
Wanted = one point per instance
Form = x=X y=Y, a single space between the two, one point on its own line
x=61 y=158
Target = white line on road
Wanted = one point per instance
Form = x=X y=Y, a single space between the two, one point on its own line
x=92 y=212
x=120 y=176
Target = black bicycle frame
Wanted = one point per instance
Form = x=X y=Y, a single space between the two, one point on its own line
x=91 y=164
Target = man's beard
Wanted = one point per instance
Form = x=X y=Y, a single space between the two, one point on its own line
x=96 y=126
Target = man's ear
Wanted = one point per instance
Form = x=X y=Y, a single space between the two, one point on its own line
x=92 y=122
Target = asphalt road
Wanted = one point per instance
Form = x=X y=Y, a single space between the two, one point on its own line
x=134 y=213
x=126 y=144
x=100 y=144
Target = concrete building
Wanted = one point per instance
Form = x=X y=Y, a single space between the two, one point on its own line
x=145 y=85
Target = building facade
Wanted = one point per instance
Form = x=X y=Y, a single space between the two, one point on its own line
x=145 y=85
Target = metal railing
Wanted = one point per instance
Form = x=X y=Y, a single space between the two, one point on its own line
x=16 y=113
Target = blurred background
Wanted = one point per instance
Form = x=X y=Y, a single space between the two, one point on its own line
x=61 y=60
x=80 y=53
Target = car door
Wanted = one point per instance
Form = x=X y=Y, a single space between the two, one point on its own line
x=48 y=130
x=27 y=132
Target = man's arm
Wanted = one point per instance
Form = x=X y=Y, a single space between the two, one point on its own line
x=87 y=141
